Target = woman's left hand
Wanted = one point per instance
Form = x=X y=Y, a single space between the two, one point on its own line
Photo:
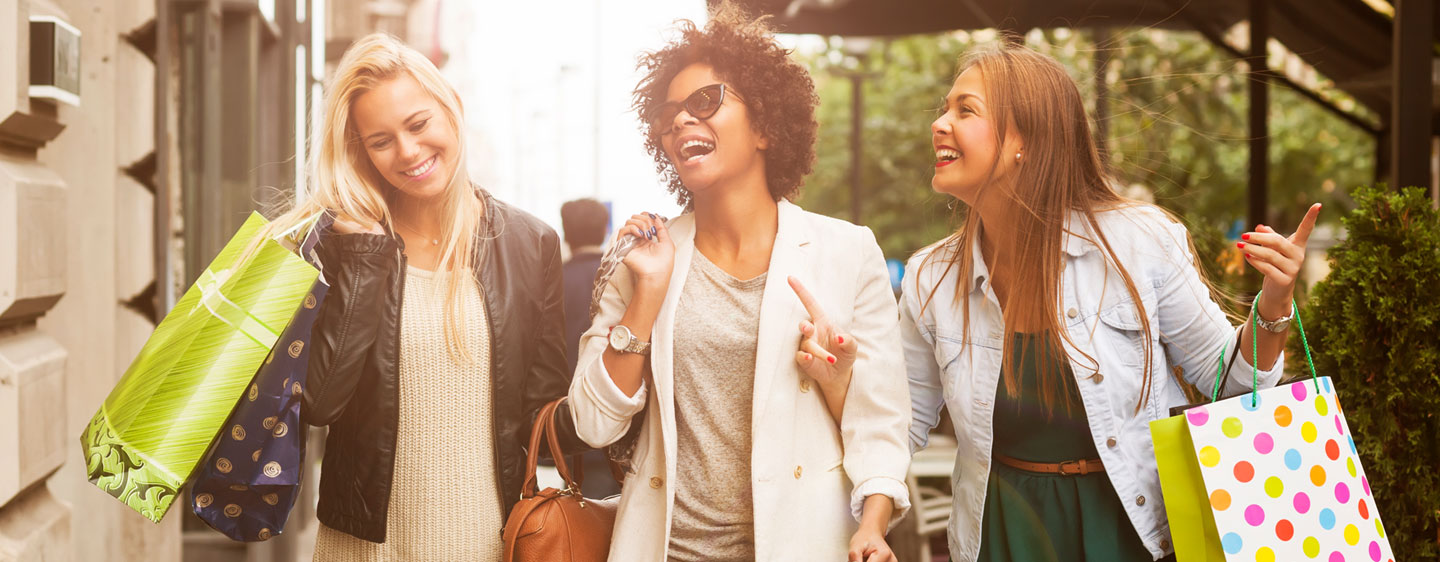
x=1279 y=259
x=868 y=545
x=826 y=354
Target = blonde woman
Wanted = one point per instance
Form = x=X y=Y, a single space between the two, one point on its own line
x=740 y=326
x=443 y=330
x=1051 y=322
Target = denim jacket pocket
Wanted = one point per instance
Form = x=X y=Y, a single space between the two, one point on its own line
x=1124 y=332
x=947 y=351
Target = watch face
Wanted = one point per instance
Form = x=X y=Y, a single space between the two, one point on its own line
x=619 y=337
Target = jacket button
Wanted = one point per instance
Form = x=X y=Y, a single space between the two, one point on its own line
x=1072 y=313
x=1098 y=378
x=656 y=482
x=1164 y=544
x=797 y=472
x=1140 y=500
x=805 y=385
x=1110 y=443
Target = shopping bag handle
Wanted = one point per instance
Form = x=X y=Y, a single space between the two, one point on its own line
x=1255 y=353
x=293 y=233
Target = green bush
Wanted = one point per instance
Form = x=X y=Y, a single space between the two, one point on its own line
x=1374 y=326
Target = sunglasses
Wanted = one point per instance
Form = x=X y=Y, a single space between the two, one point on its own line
x=700 y=104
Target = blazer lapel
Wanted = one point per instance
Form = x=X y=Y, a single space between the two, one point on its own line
x=780 y=309
x=662 y=358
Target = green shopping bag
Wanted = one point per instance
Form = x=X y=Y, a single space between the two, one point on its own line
x=1192 y=524
x=163 y=414
x=1188 y=506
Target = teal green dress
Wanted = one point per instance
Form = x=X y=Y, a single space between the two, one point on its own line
x=1034 y=517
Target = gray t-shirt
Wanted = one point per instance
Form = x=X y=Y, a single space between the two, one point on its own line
x=716 y=328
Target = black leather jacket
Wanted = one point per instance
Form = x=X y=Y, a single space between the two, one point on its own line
x=353 y=376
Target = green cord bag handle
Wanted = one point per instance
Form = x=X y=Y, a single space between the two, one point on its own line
x=1255 y=353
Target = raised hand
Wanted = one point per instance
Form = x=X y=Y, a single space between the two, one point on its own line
x=652 y=261
x=1279 y=258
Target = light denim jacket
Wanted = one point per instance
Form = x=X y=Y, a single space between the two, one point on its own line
x=1101 y=319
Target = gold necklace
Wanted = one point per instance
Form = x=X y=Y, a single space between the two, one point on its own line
x=433 y=241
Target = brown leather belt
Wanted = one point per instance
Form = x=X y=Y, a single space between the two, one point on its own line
x=1067 y=468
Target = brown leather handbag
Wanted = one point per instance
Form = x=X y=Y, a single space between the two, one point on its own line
x=557 y=525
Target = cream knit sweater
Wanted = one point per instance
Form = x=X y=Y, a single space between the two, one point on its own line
x=445 y=503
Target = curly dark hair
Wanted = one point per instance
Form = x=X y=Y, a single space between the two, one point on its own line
x=777 y=91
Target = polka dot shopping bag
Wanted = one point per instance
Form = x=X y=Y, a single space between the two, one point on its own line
x=1269 y=476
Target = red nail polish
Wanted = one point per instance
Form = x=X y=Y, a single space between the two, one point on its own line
x=809 y=357
x=839 y=339
x=1244 y=236
x=831 y=360
x=1247 y=256
x=1240 y=245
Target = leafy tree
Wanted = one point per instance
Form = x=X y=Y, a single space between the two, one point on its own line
x=1177 y=130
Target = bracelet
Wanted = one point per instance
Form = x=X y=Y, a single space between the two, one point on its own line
x=1278 y=325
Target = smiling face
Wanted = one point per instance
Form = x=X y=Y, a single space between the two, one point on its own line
x=407 y=136
x=964 y=138
x=714 y=150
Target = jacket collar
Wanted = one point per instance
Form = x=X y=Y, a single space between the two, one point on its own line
x=1077 y=240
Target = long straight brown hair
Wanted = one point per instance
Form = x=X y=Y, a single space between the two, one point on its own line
x=1061 y=174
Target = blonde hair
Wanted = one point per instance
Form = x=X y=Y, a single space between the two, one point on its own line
x=344 y=181
x=1062 y=173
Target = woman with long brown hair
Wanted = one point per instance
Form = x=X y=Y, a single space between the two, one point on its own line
x=1049 y=324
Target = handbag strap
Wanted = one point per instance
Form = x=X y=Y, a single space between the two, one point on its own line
x=572 y=482
x=573 y=472
x=532 y=456
x=1255 y=352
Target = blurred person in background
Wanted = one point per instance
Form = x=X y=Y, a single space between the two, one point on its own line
x=585 y=223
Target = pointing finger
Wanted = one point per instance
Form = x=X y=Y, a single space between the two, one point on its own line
x=1302 y=234
x=817 y=314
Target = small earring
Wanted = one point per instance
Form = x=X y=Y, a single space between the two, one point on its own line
x=1017 y=157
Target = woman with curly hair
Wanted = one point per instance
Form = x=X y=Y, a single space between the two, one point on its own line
x=739 y=326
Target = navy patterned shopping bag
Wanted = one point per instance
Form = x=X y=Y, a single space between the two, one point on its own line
x=248 y=482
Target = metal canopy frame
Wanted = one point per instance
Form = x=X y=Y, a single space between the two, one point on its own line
x=1346 y=40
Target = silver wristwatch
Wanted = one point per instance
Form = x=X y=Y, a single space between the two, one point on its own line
x=623 y=341
x=1277 y=325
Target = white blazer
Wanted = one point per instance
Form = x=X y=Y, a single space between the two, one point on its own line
x=804 y=472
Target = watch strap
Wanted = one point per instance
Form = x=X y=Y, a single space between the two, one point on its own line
x=637 y=346
x=1274 y=326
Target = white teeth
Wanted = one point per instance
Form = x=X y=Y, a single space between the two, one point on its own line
x=947 y=154
x=421 y=169
x=696 y=143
